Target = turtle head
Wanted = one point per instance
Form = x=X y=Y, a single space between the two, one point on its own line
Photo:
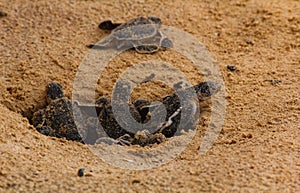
x=207 y=89
x=54 y=91
x=155 y=20
x=102 y=102
x=166 y=43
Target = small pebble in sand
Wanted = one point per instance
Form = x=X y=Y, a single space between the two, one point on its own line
x=80 y=172
x=275 y=81
x=2 y=14
x=249 y=42
x=231 y=67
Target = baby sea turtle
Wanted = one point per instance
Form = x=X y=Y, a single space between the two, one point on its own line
x=141 y=110
x=57 y=118
x=142 y=34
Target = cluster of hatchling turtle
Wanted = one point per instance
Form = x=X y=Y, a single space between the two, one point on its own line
x=68 y=119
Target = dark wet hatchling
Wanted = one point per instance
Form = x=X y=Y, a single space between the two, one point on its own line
x=140 y=110
x=57 y=119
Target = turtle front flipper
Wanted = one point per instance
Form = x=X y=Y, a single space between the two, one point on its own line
x=111 y=43
x=108 y=25
x=106 y=43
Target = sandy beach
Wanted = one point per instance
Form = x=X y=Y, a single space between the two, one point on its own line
x=258 y=146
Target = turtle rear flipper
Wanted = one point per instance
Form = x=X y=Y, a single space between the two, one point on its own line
x=146 y=49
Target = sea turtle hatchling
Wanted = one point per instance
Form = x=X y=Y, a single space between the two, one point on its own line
x=159 y=130
x=57 y=118
x=139 y=110
x=142 y=34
